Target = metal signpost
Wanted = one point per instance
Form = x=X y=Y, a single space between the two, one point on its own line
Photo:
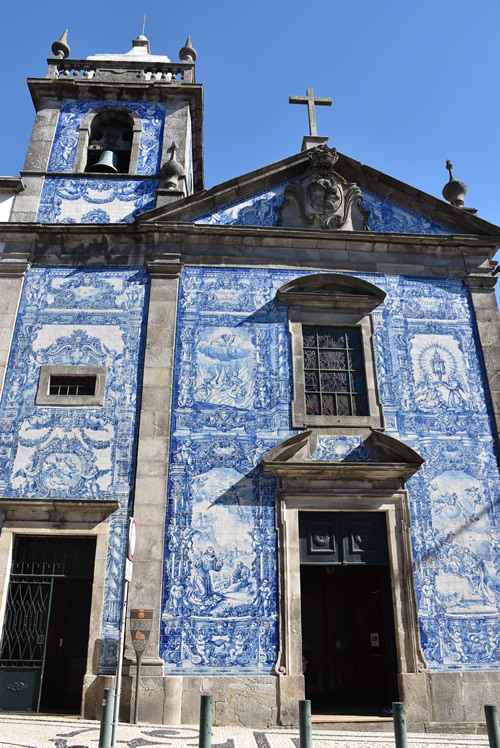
x=141 y=623
x=127 y=577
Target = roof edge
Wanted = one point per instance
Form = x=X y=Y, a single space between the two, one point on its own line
x=259 y=180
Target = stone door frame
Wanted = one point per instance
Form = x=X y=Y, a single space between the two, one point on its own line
x=60 y=518
x=395 y=506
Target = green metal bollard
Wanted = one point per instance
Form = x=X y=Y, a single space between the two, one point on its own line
x=108 y=706
x=305 y=726
x=398 y=711
x=205 y=740
x=492 y=726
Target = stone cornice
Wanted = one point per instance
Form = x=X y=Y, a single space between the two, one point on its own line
x=162 y=267
x=87 y=175
x=12 y=267
x=11 y=184
x=305 y=235
x=36 y=510
x=96 y=244
x=320 y=471
x=91 y=88
x=481 y=282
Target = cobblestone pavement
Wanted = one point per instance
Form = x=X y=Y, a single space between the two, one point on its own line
x=36 y=731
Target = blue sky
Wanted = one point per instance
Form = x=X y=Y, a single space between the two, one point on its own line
x=413 y=84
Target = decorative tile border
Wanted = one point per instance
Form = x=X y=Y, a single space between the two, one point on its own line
x=95 y=200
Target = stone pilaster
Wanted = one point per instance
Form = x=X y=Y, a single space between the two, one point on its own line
x=482 y=293
x=13 y=268
x=151 y=480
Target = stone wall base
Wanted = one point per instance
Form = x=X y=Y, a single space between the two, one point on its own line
x=245 y=700
x=448 y=697
x=266 y=701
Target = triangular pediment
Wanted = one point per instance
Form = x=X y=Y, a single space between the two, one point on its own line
x=373 y=455
x=257 y=199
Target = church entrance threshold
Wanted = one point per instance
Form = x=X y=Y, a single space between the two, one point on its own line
x=347 y=621
x=43 y=653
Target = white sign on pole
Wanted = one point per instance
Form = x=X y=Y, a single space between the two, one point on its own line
x=127 y=577
x=131 y=537
x=129 y=567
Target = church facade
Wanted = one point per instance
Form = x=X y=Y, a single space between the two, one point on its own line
x=290 y=380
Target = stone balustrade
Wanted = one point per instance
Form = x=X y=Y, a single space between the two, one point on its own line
x=119 y=71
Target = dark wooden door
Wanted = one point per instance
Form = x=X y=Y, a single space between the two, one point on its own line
x=67 y=642
x=347 y=621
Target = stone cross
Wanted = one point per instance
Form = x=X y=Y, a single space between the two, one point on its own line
x=144 y=22
x=310 y=101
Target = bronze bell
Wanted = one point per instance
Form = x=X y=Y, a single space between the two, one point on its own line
x=108 y=162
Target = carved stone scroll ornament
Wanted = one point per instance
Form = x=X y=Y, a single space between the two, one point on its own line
x=322 y=199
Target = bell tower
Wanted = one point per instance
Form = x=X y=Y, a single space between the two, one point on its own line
x=115 y=135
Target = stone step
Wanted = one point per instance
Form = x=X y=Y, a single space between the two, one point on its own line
x=351 y=722
x=456 y=728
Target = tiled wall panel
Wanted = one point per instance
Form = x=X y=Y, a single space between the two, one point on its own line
x=231 y=405
x=76 y=316
x=94 y=199
x=260 y=210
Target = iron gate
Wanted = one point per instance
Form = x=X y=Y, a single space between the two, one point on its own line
x=38 y=562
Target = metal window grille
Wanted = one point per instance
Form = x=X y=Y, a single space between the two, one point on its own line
x=334 y=371
x=60 y=385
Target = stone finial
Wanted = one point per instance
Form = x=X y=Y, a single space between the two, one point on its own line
x=454 y=191
x=172 y=174
x=141 y=45
x=188 y=53
x=60 y=48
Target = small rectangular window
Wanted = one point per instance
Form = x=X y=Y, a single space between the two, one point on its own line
x=334 y=371
x=72 y=385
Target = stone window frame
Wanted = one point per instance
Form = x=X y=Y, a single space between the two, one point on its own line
x=84 y=137
x=43 y=397
x=332 y=300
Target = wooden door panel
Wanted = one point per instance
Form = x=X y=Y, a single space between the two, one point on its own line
x=346 y=637
x=67 y=644
x=343 y=538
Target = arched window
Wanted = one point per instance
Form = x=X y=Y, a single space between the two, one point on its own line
x=110 y=142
